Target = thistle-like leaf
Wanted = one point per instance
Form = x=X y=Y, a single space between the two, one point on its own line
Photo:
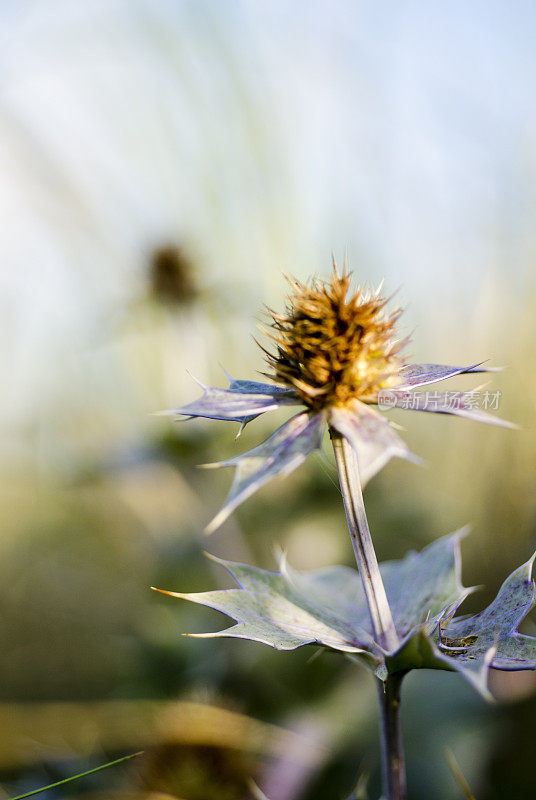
x=242 y=400
x=495 y=629
x=423 y=587
x=269 y=608
x=287 y=396
x=281 y=453
x=372 y=437
x=419 y=651
x=256 y=387
x=421 y=374
x=288 y=609
x=473 y=644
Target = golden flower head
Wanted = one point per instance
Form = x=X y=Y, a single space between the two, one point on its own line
x=337 y=353
x=334 y=345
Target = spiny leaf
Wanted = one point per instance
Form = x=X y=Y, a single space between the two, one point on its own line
x=371 y=436
x=419 y=651
x=268 y=608
x=256 y=387
x=288 y=609
x=281 y=453
x=423 y=586
x=421 y=374
x=241 y=400
x=492 y=634
x=472 y=645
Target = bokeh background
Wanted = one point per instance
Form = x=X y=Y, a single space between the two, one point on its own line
x=163 y=164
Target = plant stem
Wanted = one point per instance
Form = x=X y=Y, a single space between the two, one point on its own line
x=393 y=763
x=378 y=605
x=393 y=769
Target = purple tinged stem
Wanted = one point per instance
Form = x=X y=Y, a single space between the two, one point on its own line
x=378 y=605
x=393 y=763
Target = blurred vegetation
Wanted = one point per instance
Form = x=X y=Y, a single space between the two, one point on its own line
x=154 y=246
x=94 y=664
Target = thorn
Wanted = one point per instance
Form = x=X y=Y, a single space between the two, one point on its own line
x=464 y=531
x=530 y=562
x=282 y=562
x=242 y=426
x=334 y=263
x=212 y=526
x=180 y=595
x=229 y=378
x=215 y=559
x=202 y=385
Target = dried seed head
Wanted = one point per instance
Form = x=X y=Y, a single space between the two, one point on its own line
x=171 y=276
x=332 y=346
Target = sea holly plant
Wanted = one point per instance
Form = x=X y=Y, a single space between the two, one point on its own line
x=337 y=355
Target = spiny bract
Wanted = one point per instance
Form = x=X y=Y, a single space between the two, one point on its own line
x=338 y=355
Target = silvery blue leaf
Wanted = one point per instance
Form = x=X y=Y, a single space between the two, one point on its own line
x=419 y=651
x=256 y=387
x=372 y=437
x=516 y=652
x=461 y=404
x=287 y=609
x=467 y=639
x=235 y=404
x=268 y=608
x=423 y=587
x=420 y=374
x=474 y=644
x=285 y=450
x=419 y=587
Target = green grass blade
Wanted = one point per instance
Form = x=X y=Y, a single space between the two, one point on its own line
x=76 y=777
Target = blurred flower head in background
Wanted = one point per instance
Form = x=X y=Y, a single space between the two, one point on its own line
x=172 y=276
x=162 y=165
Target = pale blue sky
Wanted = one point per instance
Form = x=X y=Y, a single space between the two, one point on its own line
x=266 y=134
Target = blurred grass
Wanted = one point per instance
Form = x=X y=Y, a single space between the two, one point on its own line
x=40 y=732
x=85 y=536
x=164 y=165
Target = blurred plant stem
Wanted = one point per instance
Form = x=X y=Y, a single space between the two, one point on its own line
x=459 y=777
x=393 y=769
x=393 y=761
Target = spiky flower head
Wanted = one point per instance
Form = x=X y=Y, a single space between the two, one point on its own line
x=338 y=355
x=335 y=345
